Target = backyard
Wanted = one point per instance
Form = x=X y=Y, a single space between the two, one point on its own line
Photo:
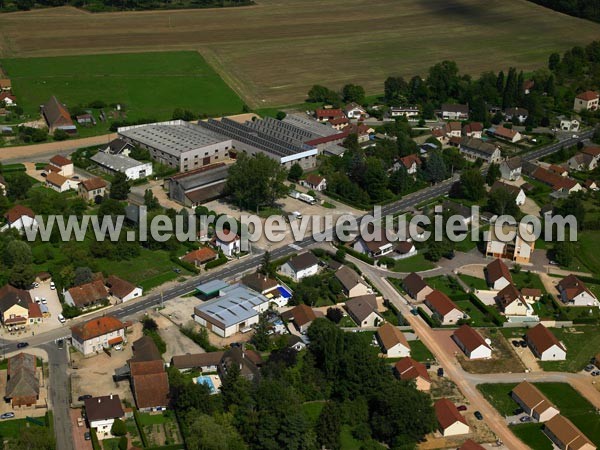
x=582 y=343
x=159 y=429
x=503 y=358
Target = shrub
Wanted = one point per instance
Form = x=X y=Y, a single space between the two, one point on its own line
x=118 y=428
x=216 y=262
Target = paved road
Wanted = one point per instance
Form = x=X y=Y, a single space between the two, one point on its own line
x=59 y=393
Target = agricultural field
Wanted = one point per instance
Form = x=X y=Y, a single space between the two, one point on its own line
x=147 y=85
x=273 y=52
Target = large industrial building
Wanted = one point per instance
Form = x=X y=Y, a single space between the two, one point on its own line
x=132 y=168
x=198 y=186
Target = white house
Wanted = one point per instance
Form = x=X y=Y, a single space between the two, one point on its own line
x=574 y=292
x=451 y=421
x=101 y=413
x=59 y=183
x=374 y=248
x=352 y=283
x=510 y=169
x=440 y=304
x=497 y=275
x=354 y=111
x=122 y=290
x=545 y=345
x=301 y=266
x=471 y=343
x=97 y=334
x=569 y=124
x=518 y=193
x=534 y=403
x=407 y=111
x=586 y=101
x=314 y=182
x=507 y=134
x=363 y=311
x=392 y=341
x=455 y=112
x=19 y=217
x=416 y=287
x=112 y=164
x=228 y=242
x=516 y=114
x=8 y=99
x=61 y=165
x=512 y=303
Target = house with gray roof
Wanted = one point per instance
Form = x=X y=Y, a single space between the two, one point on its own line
x=473 y=149
x=236 y=309
x=363 y=310
x=112 y=164
x=22 y=385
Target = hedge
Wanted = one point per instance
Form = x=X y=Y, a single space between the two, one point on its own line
x=488 y=312
x=95 y=443
x=216 y=262
x=425 y=317
x=186 y=265
x=13 y=168
x=143 y=437
x=358 y=255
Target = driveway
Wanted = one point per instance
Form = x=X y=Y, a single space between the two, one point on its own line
x=79 y=431
x=177 y=342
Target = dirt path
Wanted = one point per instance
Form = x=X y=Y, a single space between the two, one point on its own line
x=30 y=152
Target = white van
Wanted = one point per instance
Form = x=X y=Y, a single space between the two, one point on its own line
x=61 y=318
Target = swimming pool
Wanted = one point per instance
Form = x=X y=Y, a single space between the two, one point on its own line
x=208 y=382
x=284 y=292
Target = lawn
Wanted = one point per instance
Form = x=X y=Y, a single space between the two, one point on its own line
x=160 y=429
x=478 y=318
x=582 y=343
x=312 y=410
x=474 y=282
x=272 y=53
x=110 y=444
x=445 y=284
x=12 y=428
x=147 y=85
x=416 y=263
x=533 y=436
x=420 y=352
x=587 y=251
x=569 y=401
x=526 y=279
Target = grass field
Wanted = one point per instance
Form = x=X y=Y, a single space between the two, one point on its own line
x=582 y=343
x=570 y=403
x=148 y=85
x=420 y=352
x=416 y=263
x=273 y=52
x=474 y=282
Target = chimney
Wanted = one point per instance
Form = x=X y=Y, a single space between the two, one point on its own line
x=111 y=396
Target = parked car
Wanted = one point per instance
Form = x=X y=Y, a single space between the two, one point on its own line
x=462 y=407
x=60 y=343
x=523 y=344
x=525 y=419
x=589 y=368
x=414 y=312
x=84 y=397
x=118 y=347
x=22 y=344
x=515 y=343
x=553 y=263
x=8 y=415
x=52 y=285
x=478 y=415
x=44 y=301
x=61 y=318
x=37 y=299
x=595 y=373
x=87 y=436
x=440 y=372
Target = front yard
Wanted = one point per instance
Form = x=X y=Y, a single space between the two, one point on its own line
x=420 y=352
x=503 y=358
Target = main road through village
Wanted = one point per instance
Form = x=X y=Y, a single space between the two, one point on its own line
x=59 y=396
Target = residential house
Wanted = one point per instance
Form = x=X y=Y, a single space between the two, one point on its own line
x=363 y=310
x=61 y=165
x=569 y=124
x=534 y=403
x=459 y=210
x=567 y=436
x=119 y=146
x=471 y=343
x=228 y=242
x=200 y=256
x=518 y=249
x=339 y=123
x=574 y=292
x=470 y=444
x=474 y=149
x=531 y=295
x=586 y=101
x=416 y=287
x=512 y=303
x=440 y=304
x=528 y=86
x=590 y=185
x=392 y=341
x=269 y=287
x=101 y=413
x=98 y=334
x=497 y=275
x=455 y=112
x=594 y=152
x=377 y=247
x=92 y=188
x=149 y=381
x=454 y=129
x=506 y=134
x=327 y=114
x=516 y=115
x=352 y=283
x=248 y=361
x=510 y=169
x=204 y=362
x=354 y=111
x=451 y=421
x=58 y=183
x=545 y=345
x=15 y=305
x=407 y=111
x=86 y=295
x=57 y=117
x=314 y=182
x=121 y=289
x=440 y=135
x=404 y=249
x=5 y=84
x=301 y=266
x=473 y=130
x=302 y=316
x=582 y=162
x=411 y=163
x=18 y=218
x=516 y=191
x=85 y=119
x=112 y=164
x=22 y=383
x=296 y=343
x=409 y=369
x=558 y=170
x=235 y=309
x=8 y=99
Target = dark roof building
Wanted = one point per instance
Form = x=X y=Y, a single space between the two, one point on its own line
x=56 y=115
x=22 y=385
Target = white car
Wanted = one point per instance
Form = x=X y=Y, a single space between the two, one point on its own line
x=61 y=318
x=118 y=347
x=52 y=285
x=44 y=301
x=37 y=299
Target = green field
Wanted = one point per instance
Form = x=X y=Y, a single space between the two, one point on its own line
x=570 y=403
x=473 y=282
x=420 y=352
x=416 y=263
x=147 y=85
x=582 y=344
